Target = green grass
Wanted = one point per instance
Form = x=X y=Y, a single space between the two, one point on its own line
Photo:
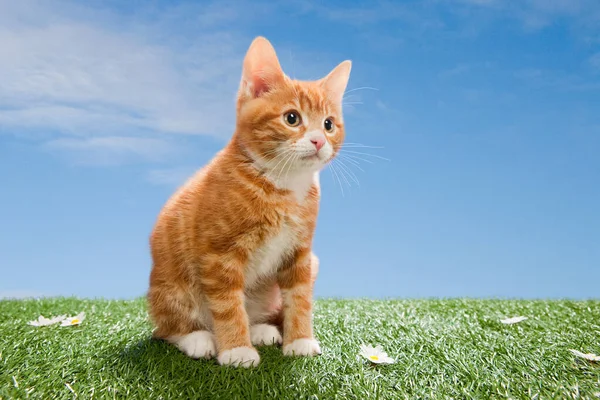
x=444 y=349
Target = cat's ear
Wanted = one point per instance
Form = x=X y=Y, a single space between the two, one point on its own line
x=261 y=71
x=335 y=83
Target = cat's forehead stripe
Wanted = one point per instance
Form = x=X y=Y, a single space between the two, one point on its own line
x=310 y=102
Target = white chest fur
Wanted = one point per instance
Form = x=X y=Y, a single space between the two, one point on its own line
x=298 y=183
x=265 y=261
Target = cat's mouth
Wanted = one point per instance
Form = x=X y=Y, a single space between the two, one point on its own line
x=311 y=158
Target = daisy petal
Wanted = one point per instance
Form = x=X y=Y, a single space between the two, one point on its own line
x=43 y=321
x=375 y=355
x=513 y=320
x=587 y=356
x=76 y=320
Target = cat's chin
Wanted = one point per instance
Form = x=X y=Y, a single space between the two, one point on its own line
x=310 y=164
x=311 y=161
x=316 y=160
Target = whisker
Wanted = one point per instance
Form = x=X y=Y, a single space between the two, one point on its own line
x=262 y=141
x=350 y=172
x=361 y=88
x=282 y=155
x=295 y=157
x=331 y=172
x=365 y=154
x=258 y=140
x=339 y=173
x=282 y=168
x=348 y=97
x=355 y=157
x=362 y=144
x=344 y=171
x=352 y=162
x=358 y=145
x=334 y=173
x=271 y=152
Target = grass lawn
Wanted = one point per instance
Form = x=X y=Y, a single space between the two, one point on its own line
x=444 y=349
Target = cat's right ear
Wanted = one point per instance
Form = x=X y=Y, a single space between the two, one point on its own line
x=261 y=71
x=335 y=83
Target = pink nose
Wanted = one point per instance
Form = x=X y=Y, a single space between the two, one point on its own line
x=318 y=142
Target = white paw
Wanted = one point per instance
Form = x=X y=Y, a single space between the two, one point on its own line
x=239 y=357
x=197 y=344
x=265 y=334
x=302 y=347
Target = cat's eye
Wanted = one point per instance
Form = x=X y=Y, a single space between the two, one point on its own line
x=292 y=118
x=328 y=124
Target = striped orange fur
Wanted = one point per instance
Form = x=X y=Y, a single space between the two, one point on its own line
x=232 y=256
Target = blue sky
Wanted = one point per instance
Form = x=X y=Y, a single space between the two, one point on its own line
x=488 y=114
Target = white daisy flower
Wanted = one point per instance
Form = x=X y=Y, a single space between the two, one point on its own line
x=513 y=320
x=587 y=356
x=375 y=354
x=76 y=320
x=43 y=321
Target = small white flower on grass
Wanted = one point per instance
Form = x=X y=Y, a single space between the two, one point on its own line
x=76 y=320
x=513 y=320
x=375 y=354
x=43 y=321
x=587 y=356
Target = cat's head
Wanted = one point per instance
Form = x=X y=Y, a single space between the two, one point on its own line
x=285 y=124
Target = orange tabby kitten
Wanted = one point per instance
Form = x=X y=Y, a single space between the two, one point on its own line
x=231 y=249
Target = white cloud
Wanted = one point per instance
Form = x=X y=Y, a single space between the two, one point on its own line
x=171 y=176
x=538 y=14
x=92 y=81
x=64 y=67
x=112 y=150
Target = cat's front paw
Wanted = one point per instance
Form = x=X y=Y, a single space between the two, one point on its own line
x=239 y=357
x=197 y=344
x=265 y=334
x=302 y=347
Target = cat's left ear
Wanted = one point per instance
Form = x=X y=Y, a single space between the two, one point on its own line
x=335 y=83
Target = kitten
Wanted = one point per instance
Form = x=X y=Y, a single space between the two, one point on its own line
x=231 y=249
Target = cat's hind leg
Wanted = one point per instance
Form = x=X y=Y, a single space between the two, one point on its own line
x=263 y=304
x=179 y=321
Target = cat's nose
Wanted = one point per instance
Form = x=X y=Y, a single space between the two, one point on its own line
x=318 y=142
